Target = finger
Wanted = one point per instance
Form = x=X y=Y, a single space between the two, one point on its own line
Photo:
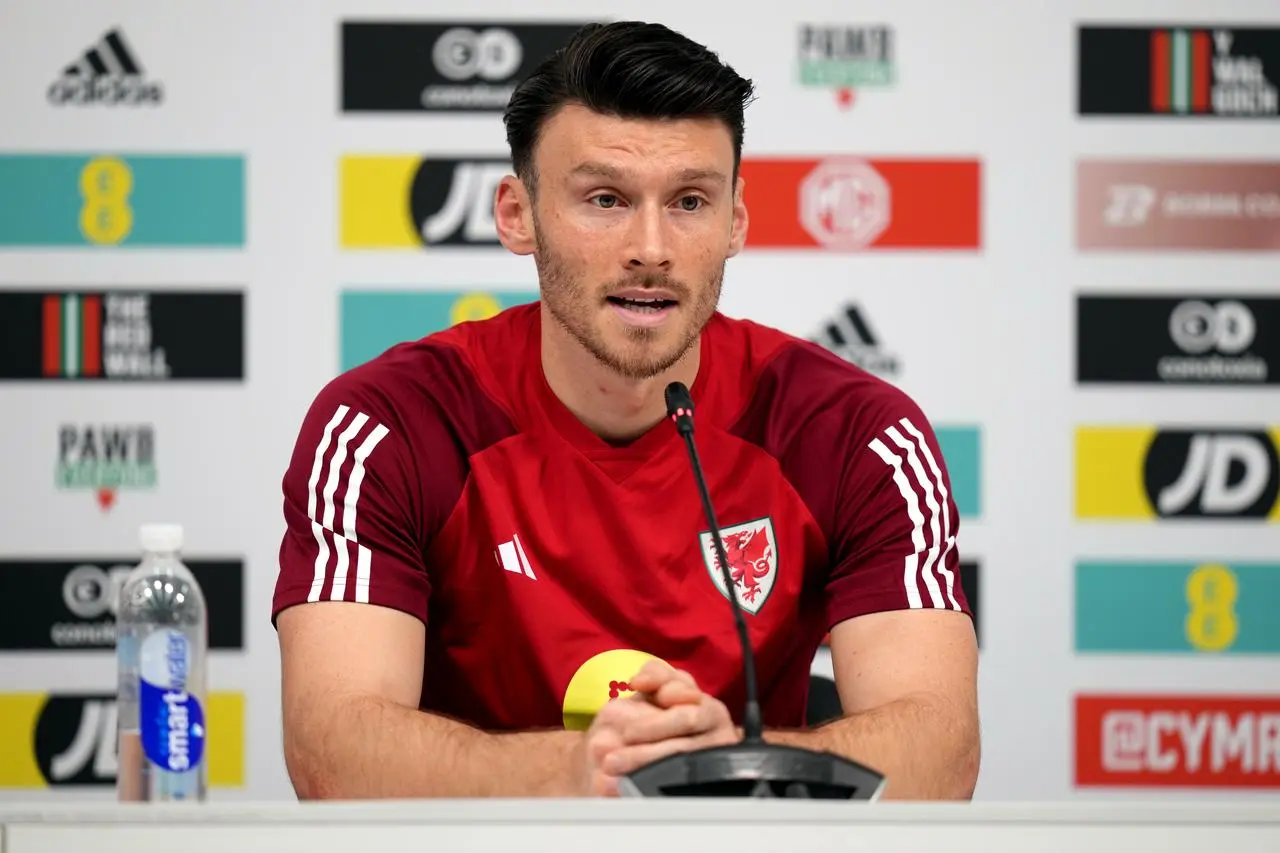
x=655 y=673
x=674 y=722
x=616 y=714
x=676 y=692
x=627 y=703
x=622 y=761
x=605 y=785
x=651 y=676
x=601 y=741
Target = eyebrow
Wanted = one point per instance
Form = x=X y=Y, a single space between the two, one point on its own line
x=612 y=173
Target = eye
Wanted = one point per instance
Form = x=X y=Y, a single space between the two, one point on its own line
x=605 y=200
x=690 y=203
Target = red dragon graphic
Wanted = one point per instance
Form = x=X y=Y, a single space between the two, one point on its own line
x=750 y=557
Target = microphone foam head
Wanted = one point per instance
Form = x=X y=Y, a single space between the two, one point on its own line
x=678 y=397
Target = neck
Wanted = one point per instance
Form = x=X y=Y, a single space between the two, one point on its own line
x=614 y=407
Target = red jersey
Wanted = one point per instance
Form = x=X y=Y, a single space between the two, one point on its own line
x=445 y=479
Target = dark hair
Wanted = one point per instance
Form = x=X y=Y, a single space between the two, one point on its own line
x=630 y=69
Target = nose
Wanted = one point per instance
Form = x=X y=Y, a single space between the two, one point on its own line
x=650 y=246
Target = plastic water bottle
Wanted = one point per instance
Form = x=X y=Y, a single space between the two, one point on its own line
x=161 y=643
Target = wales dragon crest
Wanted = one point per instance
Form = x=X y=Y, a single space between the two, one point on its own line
x=752 y=551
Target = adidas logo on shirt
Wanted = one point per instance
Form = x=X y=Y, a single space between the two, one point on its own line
x=511 y=557
x=849 y=335
x=107 y=73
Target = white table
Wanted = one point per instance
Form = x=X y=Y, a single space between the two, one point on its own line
x=642 y=826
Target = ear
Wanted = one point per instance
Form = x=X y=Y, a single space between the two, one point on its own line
x=738 y=232
x=513 y=216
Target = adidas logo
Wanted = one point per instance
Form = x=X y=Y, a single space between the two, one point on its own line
x=849 y=335
x=108 y=73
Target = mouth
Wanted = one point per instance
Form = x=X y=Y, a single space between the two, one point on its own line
x=642 y=305
x=643 y=311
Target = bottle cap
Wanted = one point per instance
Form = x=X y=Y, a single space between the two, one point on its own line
x=160 y=538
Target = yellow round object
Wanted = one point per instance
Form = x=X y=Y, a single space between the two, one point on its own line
x=474 y=306
x=603 y=677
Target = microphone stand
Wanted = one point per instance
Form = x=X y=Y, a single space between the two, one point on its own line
x=751 y=767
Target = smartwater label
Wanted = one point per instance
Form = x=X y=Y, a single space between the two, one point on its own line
x=171 y=721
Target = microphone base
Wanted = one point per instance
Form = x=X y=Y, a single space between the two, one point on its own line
x=758 y=770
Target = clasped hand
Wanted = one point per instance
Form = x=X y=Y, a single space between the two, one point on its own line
x=667 y=714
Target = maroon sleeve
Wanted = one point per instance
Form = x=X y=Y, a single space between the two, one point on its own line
x=895 y=522
x=353 y=528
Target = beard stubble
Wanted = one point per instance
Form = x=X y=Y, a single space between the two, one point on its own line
x=573 y=305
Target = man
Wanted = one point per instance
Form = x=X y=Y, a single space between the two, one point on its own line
x=496 y=577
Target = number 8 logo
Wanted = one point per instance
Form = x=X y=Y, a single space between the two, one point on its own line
x=105 y=185
x=474 y=306
x=1212 y=623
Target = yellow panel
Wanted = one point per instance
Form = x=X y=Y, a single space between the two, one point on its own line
x=18 y=715
x=1109 y=464
x=226 y=740
x=375 y=203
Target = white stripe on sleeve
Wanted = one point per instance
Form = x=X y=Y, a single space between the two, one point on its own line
x=926 y=488
x=322 y=546
x=941 y=483
x=343 y=487
x=911 y=561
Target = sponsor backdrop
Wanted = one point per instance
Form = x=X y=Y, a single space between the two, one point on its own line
x=1057 y=229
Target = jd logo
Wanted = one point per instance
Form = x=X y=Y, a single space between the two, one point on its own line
x=1201 y=474
x=75 y=740
x=452 y=200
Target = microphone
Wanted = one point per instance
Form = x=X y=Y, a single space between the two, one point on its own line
x=751 y=767
x=680 y=410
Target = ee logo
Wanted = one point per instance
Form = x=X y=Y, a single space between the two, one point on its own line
x=105 y=185
x=1211 y=623
x=474 y=306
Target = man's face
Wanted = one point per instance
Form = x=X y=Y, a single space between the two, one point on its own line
x=633 y=221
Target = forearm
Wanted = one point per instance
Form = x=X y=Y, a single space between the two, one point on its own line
x=927 y=750
x=369 y=748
